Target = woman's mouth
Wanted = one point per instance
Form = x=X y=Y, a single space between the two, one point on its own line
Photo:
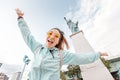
x=50 y=41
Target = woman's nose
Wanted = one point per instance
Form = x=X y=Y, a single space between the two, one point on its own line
x=52 y=36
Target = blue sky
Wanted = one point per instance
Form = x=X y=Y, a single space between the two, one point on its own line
x=99 y=19
x=41 y=15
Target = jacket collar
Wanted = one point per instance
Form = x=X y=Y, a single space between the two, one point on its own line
x=53 y=48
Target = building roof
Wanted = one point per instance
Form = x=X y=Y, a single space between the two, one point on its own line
x=115 y=59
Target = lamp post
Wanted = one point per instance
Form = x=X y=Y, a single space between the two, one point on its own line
x=26 y=60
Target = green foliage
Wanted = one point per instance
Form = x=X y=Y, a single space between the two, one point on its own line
x=74 y=70
x=106 y=63
x=62 y=76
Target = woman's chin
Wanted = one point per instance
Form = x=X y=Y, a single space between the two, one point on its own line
x=49 y=46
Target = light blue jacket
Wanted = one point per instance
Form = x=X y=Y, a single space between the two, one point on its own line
x=44 y=66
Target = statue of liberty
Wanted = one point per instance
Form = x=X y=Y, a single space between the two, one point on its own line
x=72 y=26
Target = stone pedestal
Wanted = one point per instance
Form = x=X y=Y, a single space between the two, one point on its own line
x=92 y=71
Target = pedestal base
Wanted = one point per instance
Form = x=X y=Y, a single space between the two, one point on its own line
x=93 y=71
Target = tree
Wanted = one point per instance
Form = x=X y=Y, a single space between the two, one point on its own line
x=62 y=76
x=77 y=71
x=70 y=71
x=106 y=63
x=74 y=70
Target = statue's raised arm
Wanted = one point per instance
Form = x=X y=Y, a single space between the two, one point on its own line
x=72 y=26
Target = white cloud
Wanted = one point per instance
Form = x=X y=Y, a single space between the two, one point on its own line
x=100 y=20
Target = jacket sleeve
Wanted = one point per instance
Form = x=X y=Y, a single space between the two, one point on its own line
x=79 y=58
x=28 y=38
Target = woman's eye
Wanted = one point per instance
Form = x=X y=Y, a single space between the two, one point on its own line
x=49 y=34
x=56 y=36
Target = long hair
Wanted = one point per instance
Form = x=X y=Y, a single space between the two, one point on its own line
x=62 y=40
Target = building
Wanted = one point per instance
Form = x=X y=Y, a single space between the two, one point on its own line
x=114 y=65
x=16 y=76
x=3 y=76
x=9 y=70
x=0 y=64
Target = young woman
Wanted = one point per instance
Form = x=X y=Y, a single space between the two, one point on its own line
x=47 y=57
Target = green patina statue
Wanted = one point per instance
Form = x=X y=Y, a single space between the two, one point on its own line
x=72 y=26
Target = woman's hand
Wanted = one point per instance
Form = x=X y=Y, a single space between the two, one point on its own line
x=103 y=54
x=19 y=12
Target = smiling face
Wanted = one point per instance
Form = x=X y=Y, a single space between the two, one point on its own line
x=52 y=38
